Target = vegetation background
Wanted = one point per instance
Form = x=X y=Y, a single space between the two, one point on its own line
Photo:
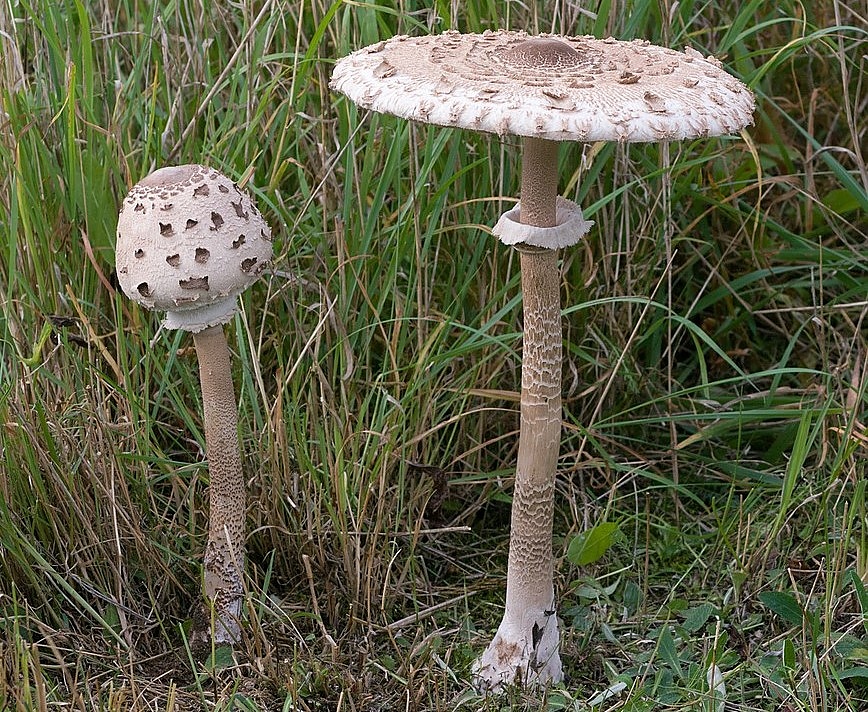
x=715 y=372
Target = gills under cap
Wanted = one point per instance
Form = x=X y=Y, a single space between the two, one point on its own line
x=189 y=240
x=547 y=86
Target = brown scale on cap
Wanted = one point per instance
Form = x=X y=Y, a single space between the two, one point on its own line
x=240 y=211
x=194 y=283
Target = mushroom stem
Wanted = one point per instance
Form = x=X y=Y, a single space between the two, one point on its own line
x=224 y=553
x=539 y=182
x=525 y=647
x=529 y=586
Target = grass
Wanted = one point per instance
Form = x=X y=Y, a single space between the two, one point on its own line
x=715 y=373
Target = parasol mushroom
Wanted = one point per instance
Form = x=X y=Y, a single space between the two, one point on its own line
x=545 y=88
x=189 y=240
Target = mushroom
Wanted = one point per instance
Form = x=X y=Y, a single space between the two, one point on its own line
x=189 y=240
x=545 y=88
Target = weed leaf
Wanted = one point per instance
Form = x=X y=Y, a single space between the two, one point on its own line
x=784 y=605
x=857 y=672
x=861 y=594
x=668 y=653
x=696 y=617
x=591 y=545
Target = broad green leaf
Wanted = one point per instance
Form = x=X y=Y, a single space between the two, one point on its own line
x=789 y=655
x=631 y=597
x=590 y=546
x=861 y=672
x=696 y=617
x=841 y=201
x=221 y=658
x=861 y=594
x=667 y=651
x=849 y=647
x=784 y=605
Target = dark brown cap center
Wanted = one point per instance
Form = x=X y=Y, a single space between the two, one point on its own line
x=541 y=52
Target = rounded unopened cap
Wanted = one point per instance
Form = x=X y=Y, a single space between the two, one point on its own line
x=188 y=242
x=547 y=86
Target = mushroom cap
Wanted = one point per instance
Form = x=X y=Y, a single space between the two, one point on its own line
x=547 y=86
x=189 y=240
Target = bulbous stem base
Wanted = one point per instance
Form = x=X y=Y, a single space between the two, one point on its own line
x=524 y=651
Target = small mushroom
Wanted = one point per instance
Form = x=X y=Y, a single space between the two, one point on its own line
x=547 y=89
x=195 y=276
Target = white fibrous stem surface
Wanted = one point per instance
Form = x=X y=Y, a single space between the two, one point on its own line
x=224 y=553
x=525 y=647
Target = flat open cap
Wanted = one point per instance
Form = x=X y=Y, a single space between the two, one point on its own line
x=547 y=86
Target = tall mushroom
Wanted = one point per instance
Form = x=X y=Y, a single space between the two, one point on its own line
x=189 y=240
x=545 y=88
